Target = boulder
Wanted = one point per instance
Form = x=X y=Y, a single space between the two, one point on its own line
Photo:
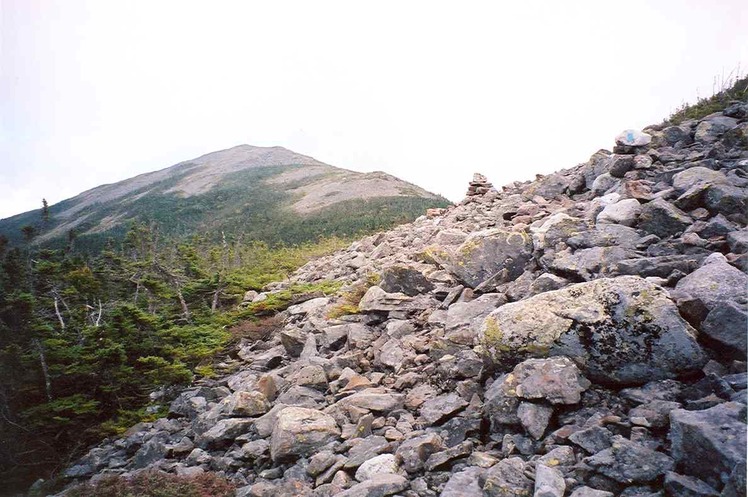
x=493 y=253
x=223 y=433
x=693 y=176
x=620 y=331
x=716 y=435
x=712 y=285
x=377 y=300
x=399 y=279
x=247 y=404
x=629 y=462
x=625 y=212
x=726 y=325
x=381 y=464
x=378 y=486
x=438 y=408
x=507 y=479
x=712 y=128
x=663 y=219
x=413 y=452
x=633 y=138
x=300 y=431
x=465 y=483
x=549 y=482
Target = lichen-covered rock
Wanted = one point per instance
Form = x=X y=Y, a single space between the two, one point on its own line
x=300 y=431
x=663 y=219
x=621 y=330
x=507 y=479
x=629 y=462
x=486 y=254
x=399 y=279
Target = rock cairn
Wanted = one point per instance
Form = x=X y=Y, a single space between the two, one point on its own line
x=479 y=186
x=579 y=335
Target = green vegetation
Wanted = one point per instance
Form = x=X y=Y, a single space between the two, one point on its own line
x=85 y=338
x=729 y=89
x=157 y=484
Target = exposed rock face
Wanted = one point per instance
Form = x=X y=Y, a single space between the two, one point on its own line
x=491 y=358
x=621 y=330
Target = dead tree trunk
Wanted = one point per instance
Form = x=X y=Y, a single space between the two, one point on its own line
x=45 y=369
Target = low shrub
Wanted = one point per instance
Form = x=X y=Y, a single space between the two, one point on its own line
x=156 y=484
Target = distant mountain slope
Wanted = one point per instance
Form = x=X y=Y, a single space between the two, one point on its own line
x=265 y=193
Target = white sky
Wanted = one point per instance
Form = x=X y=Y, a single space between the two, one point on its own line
x=94 y=92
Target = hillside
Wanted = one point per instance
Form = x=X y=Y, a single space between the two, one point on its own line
x=582 y=334
x=258 y=193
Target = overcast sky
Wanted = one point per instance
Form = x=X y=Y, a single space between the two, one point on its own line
x=94 y=92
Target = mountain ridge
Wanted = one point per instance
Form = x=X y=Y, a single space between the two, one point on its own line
x=298 y=185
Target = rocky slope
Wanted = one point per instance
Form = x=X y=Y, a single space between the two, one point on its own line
x=583 y=334
x=259 y=191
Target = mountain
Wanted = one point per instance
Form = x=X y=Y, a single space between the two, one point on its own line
x=264 y=193
x=581 y=334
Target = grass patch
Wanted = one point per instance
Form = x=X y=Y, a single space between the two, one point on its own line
x=725 y=90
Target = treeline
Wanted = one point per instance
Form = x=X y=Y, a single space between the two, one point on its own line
x=84 y=339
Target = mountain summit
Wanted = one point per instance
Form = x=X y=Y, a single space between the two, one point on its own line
x=267 y=193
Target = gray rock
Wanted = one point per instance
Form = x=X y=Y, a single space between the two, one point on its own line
x=590 y=492
x=223 y=433
x=534 y=418
x=662 y=266
x=413 y=452
x=399 y=279
x=444 y=457
x=621 y=330
x=374 y=399
x=148 y=453
x=620 y=165
x=549 y=482
x=437 y=409
x=603 y=183
x=589 y=264
x=366 y=449
x=469 y=314
x=293 y=340
x=507 y=478
x=663 y=219
x=547 y=282
x=693 y=176
x=378 y=486
x=377 y=300
x=247 y=404
x=717 y=435
x=489 y=253
x=711 y=129
x=687 y=486
x=560 y=456
x=377 y=465
x=556 y=380
x=713 y=284
x=465 y=483
x=629 y=462
x=593 y=439
x=625 y=212
x=738 y=241
x=334 y=337
x=300 y=431
x=727 y=324
x=655 y=414
x=727 y=199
